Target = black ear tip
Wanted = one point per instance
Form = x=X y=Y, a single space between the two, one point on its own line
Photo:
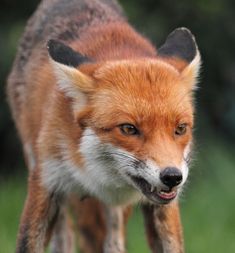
x=179 y=43
x=63 y=54
x=183 y=33
x=183 y=30
x=54 y=46
x=50 y=44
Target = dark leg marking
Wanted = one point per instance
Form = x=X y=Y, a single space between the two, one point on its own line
x=23 y=245
x=152 y=235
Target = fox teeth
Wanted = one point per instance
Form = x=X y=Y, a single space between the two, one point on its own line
x=152 y=188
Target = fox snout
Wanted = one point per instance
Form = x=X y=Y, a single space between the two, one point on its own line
x=171 y=177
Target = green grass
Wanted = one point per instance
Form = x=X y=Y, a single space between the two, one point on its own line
x=208 y=206
x=12 y=195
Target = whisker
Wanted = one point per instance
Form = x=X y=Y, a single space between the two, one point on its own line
x=134 y=159
x=188 y=158
x=124 y=155
x=85 y=135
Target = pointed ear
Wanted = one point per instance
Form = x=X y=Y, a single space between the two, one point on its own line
x=181 y=44
x=65 y=62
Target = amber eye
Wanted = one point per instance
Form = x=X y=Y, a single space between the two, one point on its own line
x=129 y=129
x=181 y=129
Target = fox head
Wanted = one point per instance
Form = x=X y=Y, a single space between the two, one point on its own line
x=136 y=115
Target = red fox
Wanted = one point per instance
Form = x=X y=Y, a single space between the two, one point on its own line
x=101 y=114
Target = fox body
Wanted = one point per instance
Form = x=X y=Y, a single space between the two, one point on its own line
x=101 y=113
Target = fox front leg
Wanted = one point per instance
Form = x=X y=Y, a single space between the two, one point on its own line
x=62 y=240
x=115 y=239
x=39 y=216
x=163 y=228
x=100 y=227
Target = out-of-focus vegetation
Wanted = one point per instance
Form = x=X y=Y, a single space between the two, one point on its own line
x=208 y=204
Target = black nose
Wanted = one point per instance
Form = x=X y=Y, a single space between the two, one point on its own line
x=171 y=176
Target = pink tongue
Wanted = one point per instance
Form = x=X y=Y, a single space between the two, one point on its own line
x=167 y=195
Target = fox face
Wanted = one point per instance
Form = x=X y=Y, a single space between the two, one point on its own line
x=136 y=118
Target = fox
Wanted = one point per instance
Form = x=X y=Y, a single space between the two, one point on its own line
x=106 y=121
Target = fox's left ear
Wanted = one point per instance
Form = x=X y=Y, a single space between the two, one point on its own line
x=65 y=62
x=181 y=44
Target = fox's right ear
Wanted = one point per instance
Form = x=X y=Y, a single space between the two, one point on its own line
x=65 y=62
x=181 y=44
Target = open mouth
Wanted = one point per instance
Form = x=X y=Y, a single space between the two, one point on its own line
x=162 y=196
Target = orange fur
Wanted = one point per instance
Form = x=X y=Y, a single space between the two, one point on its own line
x=53 y=105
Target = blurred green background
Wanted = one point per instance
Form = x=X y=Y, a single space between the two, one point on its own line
x=208 y=203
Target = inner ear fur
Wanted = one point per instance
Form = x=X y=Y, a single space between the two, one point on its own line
x=190 y=73
x=69 y=77
x=66 y=62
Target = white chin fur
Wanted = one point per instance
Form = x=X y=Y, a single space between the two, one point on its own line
x=103 y=174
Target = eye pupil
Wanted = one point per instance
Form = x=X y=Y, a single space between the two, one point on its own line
x=181 y=129
x=128 y=129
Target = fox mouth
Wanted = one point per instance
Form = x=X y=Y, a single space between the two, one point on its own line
x=158 y=196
